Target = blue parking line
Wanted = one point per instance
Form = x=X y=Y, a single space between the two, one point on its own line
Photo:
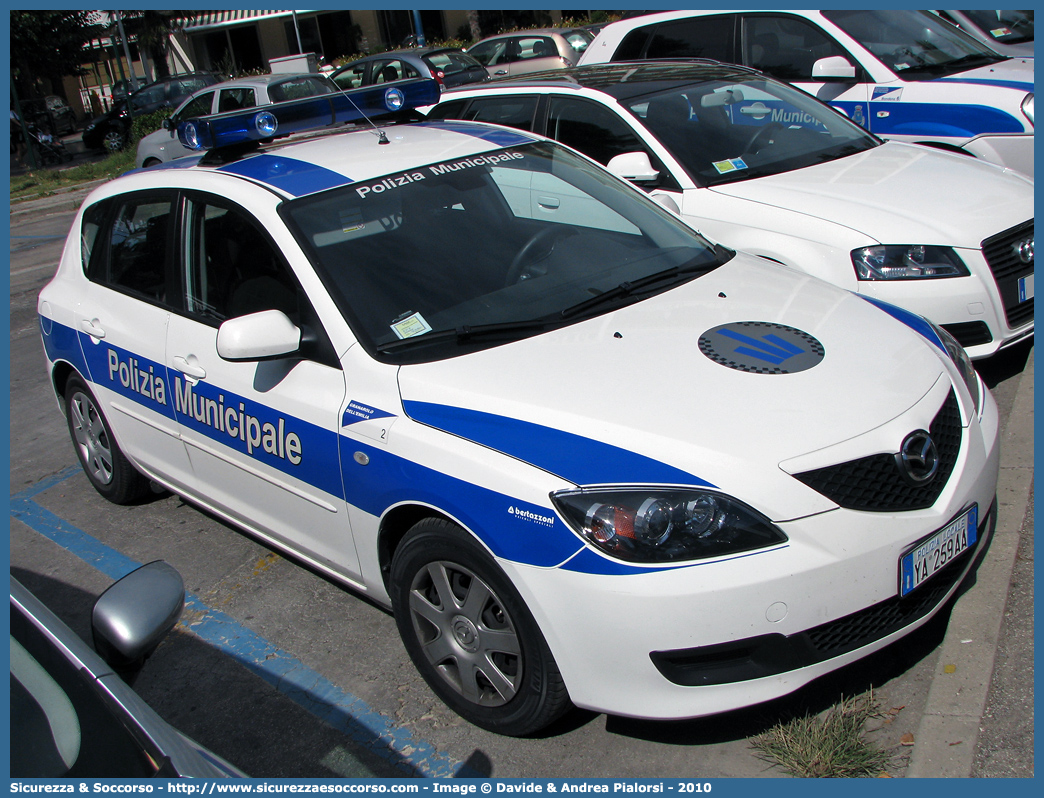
x=307 y=688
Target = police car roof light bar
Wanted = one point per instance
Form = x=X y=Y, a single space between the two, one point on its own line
x=238 y=128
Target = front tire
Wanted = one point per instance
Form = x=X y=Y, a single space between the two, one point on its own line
x=470 y=634
x=108 y=470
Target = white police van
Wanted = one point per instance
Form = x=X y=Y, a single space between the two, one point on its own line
x=585 y=454
x=902 y=74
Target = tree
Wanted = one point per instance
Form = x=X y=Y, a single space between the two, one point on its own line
x=51 y=45
x=152 y=30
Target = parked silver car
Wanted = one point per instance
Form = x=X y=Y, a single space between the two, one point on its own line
x=75 y=711
x=232 y=95
x=526 y=51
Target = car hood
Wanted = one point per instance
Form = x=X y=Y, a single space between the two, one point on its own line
x=901 y=194
x=629 y=397
x=1015 y=73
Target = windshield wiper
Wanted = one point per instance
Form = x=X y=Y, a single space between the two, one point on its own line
x=628 y=289
x=467 y=332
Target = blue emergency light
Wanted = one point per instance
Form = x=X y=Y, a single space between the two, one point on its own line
x=314 y=113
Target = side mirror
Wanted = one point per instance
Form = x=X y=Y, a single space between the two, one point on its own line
x=634 y=166
x=258 y=336
x=168 y=124
x=131 y=618
x=836 y=67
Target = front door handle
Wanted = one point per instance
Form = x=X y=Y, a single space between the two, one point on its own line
x=189 y=367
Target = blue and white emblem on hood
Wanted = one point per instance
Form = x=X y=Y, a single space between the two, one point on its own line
x=761 y=347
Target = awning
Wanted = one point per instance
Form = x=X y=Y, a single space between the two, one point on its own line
x=214 y=20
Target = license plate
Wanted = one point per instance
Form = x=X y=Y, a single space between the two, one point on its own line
x=929 y=557
x=1026 y=288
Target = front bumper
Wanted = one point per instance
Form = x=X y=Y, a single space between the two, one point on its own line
x=644 y=644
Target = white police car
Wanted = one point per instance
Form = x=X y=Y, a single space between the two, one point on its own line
x=585 y=454
x=765 y=168
x=903 y=74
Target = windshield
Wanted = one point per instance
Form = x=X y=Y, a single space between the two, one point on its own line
x=724 y=131
x=472 y=253
x=1006 y=27
x=914 y=44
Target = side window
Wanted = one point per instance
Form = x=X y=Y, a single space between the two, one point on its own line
x=351 y=78
x=785 y=47
x=530 y=47
x=699 y=37
x=231 y=267
x=93 y=219
x=235 y=99
x=448 y=110
x=200 y=106
x=514 y=112
x=147 y=97
x=490 y=53
x=388 y=71
x=590 y=128
x=138 y=242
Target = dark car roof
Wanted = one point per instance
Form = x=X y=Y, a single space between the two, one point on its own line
x=626 y=79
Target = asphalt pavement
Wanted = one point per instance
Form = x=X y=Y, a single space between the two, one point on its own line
x=967 y=705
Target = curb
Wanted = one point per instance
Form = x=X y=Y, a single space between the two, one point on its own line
x=948 y=733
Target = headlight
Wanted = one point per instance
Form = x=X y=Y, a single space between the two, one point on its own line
x=961 y=360
x=1027 y=108
x=906 y=262
x=653 y=525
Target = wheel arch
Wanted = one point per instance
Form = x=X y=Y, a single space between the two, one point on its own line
x=60 y=373
x=393 y=528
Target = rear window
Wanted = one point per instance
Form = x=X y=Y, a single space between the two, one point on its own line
x=299 y=88
x=452 y=63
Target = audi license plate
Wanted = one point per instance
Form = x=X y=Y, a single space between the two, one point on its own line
x=1026 y=288
x=926 y=559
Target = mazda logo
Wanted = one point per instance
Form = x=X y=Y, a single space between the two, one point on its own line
x=1024 y=250
x=918 y=458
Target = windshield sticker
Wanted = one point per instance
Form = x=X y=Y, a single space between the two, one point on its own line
x=409 y=325
x=887 y=94
x=351 y=220
x=397 y=181
x=731 y=165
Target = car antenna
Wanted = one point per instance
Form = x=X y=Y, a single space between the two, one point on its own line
x=382 y=138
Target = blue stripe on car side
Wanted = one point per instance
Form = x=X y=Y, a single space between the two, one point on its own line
x=912 y=320
x=297 y=178
x=935 y=119
x=582 y=461
x=502 y=138
x=513 y=530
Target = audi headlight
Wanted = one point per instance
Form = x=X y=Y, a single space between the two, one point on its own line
x=961 y=360
x=1027 y=108
x=655 y=525
x=907 y=262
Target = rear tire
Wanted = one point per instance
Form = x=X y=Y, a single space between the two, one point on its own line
x=108 y=470
x=469 y=633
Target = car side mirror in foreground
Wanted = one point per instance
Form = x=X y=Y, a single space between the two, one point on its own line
x=634 y=166
x=836 y=67
x=258 y=336
x=131 y=618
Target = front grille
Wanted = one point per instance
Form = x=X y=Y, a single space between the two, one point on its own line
x=971 y=333
x=875 y=484
x=1002 y=254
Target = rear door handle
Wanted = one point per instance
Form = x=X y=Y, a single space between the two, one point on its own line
x=92 y=328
